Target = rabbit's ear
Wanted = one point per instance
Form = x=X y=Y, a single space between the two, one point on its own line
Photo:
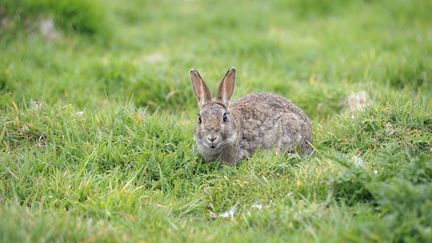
x=201 y=91
x=226 y=87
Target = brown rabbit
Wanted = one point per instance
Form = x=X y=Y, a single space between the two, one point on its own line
x=230 y=132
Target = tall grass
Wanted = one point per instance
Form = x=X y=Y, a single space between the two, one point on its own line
x=96 y=130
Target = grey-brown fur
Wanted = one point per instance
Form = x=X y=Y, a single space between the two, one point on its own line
x=256 y=121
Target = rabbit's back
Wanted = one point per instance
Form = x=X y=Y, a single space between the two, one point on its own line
x=271 y=122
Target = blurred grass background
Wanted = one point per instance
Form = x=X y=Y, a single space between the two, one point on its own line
x=97 y=115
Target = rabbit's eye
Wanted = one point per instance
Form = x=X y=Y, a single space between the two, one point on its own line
x=199 y=119
x=225 y=117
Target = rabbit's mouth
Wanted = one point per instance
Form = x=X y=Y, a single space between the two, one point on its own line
x=212 y=145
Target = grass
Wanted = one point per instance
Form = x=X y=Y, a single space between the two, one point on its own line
x=96 y=125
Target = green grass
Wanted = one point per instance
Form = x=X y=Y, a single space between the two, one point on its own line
x=96 y=125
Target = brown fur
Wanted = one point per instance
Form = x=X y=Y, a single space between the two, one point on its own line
x=256 y=121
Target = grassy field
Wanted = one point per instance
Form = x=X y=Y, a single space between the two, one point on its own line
x=97 y=116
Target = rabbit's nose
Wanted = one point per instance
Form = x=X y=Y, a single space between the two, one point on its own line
x=211 y=138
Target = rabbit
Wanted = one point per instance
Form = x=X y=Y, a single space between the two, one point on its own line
x=230 y=132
